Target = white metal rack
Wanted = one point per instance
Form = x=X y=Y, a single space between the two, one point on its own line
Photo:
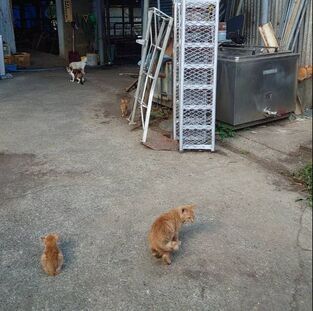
x=195 y=62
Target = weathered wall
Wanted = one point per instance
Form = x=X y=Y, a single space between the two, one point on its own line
x=80 y=8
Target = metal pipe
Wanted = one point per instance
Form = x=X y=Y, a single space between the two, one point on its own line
x=240 y=4
x=145 y=16
x=159 y=5
x=264 y=12
x=99 y=12
x=2 y=67
x=174 y=70
x=60 y=26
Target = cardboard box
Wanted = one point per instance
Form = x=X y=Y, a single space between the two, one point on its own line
x=9 y=59
x=22 y=59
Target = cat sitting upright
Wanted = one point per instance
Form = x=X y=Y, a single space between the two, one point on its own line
x=163 y=235
x=124 y=102
x=76 y=75
x=52 y=258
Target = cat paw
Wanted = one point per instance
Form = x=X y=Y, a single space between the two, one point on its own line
x=166 y=259
x=156 y=254
x=175 y=246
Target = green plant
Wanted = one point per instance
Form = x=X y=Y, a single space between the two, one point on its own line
x=304 y=175
x=225 y=131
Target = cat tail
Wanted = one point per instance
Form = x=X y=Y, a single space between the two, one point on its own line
x=51 y=269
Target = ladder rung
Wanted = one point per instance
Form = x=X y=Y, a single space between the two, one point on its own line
x=199 y=23
x=157 y=47
x=197 y=107
x=198 y=86
x=199 y=45
x=197 y=127
x=198 y=66
x=199 y=147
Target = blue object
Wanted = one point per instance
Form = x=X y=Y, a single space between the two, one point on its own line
x=10 y=67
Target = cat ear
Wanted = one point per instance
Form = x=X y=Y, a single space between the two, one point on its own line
x=56 y=236
x=42 y=238
x=188 y=207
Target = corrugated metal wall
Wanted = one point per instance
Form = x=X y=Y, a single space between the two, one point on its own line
x=305 y=41
x=252 y=11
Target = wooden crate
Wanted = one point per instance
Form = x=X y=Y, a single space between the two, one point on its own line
x=22 y=59
x=9 y=59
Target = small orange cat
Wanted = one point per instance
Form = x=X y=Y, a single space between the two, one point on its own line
x=163 y=235
x=124 y=106
x=52 y=258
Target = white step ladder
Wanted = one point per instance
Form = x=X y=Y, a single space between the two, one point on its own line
x=159 y=26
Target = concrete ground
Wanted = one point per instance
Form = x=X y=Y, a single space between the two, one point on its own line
x=70 y=164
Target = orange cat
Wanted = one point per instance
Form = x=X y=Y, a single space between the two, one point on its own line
x=163 y=235
x=124 y=106
x=52 y=258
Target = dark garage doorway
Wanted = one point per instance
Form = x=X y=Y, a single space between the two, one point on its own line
x=35 y=25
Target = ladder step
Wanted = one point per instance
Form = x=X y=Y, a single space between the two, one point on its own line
x=198 y=107
x=157 y=47
x=198 y=23
x=198 y=86
x=197 y=127
x=199 y=45
x=199 y=147
x=198 y=66
x=148 y=75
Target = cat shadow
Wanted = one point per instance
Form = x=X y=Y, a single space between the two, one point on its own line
x=68 y=249
x=192 y=233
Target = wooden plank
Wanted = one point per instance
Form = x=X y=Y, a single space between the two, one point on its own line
x=299 y=107
x=268 y=36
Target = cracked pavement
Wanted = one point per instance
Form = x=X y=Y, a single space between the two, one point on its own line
x=70 y=164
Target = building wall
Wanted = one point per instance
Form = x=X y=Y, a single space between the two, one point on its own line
x=80 y=8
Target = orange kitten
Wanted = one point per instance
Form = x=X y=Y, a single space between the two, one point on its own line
x=52 y=258
x=124 y=106
x=163 y=236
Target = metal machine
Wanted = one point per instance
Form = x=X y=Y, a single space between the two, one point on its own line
x=254 y=86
